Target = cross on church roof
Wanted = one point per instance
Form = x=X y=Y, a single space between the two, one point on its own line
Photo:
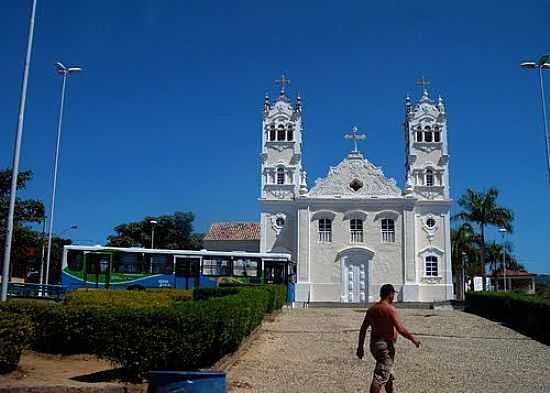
x=423 y=83
x=355 y=137
x=282 y=82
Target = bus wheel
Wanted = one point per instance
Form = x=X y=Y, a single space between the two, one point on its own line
x=135 y=288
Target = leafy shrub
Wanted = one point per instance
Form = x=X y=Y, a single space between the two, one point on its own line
x=15 y=334
x=120 y=297
x=172 y=334
x=526 y=313
x=207 y=293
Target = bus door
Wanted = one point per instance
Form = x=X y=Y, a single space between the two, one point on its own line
x=275 y=272
x=188 y=272
x=97 y=268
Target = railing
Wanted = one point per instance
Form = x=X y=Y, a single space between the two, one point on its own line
x=325 y=236
x=388 y=236
x=40 y=291
x=356 y=236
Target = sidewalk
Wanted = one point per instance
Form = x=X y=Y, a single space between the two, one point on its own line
x=313 y=351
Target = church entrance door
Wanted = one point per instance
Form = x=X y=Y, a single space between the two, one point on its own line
x=355 y=281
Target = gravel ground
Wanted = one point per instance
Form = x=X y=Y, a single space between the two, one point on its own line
x=313 y=351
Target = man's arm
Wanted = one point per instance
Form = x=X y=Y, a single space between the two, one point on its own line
x=362 y=334
x=401 y=329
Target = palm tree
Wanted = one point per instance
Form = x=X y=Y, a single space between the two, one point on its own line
x=482 y=209
x=464 y=242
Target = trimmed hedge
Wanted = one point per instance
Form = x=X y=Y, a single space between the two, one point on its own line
x=528 y=314
x=15 y=334
x=178 y=335
x=107 y=297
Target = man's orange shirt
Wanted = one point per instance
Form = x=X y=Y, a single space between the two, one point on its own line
x=381 y=317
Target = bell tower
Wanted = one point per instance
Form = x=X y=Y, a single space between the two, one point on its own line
x=282 y=174
x=426 y=155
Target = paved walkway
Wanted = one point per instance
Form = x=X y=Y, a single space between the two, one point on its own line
x=313 y=351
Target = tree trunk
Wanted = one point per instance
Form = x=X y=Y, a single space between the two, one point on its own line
x=482 y=252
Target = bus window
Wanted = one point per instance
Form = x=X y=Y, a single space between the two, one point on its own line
x=128 y=262
x=275 y=272
x=159 y=263
x=246 y=267
x=216 y=266
x=75 y=259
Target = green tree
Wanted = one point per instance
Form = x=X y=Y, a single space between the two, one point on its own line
x=25 y=241
x=174 y=232
x=482 y=209
x=465 y=248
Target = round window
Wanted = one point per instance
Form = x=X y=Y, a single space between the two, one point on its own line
x=280 y=222
x=430 y=222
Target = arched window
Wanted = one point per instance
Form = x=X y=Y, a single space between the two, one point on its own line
x=281 y=133
x=290 y=133
x=280 y=176
x=428 y=136
x=419 y=136
x=272 y=133
x=431 y=266
x=388 y=230
x=437 y=136
x=325 y=230
x=356 y=230
x=429 y=178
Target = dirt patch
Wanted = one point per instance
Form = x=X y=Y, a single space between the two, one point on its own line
x=38 y=369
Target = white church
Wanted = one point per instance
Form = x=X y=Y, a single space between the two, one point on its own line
x=355 y=229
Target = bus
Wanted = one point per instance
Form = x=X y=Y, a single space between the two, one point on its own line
x=141 y=268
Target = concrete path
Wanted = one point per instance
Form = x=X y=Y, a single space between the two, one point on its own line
x=313 y=351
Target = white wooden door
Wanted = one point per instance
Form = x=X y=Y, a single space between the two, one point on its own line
x=355 y=281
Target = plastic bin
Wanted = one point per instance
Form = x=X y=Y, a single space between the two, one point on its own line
x=187 y=382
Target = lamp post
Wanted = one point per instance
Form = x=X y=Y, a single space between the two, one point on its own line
x=153 y=223
x=463 y=291
x=503 y=232
x=16 y=156
x=540 y=65
x=65 y=71
x=44 y=248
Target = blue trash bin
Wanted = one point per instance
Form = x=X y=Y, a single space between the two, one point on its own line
x=187 y=382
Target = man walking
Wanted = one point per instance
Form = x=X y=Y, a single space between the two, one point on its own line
x=385 y=322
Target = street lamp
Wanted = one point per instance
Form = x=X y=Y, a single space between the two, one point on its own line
x=540 y=65
x=463 y=294
x=43 y=250
x=16 y=156
x=65 y=71
x=503 y=232
x=153 y=223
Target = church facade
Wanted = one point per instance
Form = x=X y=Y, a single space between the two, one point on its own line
x=355 y=229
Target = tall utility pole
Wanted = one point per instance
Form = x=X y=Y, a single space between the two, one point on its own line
x=16 y=156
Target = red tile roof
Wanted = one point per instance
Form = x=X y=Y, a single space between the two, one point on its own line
x=514 y=273
x=234 y=231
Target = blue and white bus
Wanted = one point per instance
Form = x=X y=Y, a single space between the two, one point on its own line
x=140 y=268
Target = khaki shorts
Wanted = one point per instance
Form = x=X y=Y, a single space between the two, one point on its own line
x=383 y=352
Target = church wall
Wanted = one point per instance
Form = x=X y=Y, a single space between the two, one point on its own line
x=385 y=266
x=279 y=239
x=276 y=155
x=232 y=245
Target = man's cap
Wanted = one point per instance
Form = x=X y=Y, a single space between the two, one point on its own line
x=386 y=290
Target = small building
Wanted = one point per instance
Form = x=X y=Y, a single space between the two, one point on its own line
x=515 y=281
x=233 y=236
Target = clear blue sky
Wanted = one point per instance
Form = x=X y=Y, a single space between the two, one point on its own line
x=167 y=114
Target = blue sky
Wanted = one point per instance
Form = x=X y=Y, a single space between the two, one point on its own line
x=167 y=113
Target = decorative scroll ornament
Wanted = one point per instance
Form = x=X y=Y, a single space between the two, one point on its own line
x=278 y=222
x=338 y=181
